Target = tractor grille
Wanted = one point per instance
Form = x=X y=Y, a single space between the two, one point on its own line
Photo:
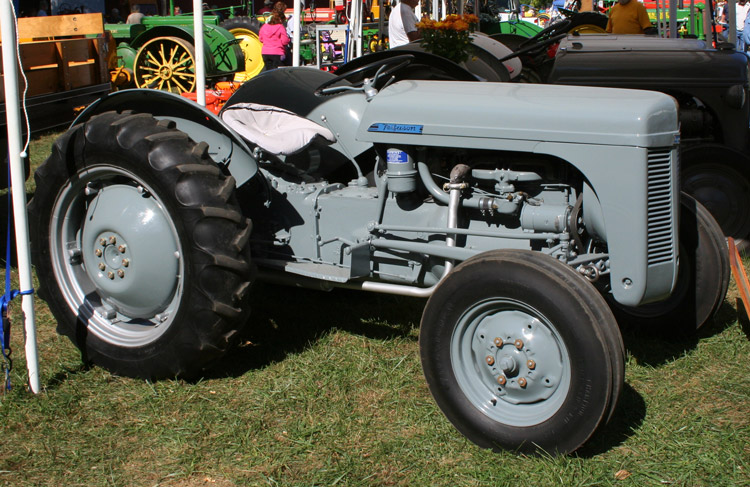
x=660 y=218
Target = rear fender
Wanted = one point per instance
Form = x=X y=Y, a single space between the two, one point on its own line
x=226 y=147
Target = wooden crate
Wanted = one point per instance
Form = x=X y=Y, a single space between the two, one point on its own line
x=63 y=52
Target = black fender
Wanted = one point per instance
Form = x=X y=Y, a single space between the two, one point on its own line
x=226 y=147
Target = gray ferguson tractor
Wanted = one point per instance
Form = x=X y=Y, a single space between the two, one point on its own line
x=154 y=221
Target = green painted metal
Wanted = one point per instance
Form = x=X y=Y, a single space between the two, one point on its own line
x=684 y=27
x=223 y=55
x=518 y=27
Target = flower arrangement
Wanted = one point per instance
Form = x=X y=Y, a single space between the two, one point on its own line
x=448 y=37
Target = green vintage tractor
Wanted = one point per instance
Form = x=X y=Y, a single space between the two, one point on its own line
x=160 y=52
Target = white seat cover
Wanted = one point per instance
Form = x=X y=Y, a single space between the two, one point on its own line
x=274 y=129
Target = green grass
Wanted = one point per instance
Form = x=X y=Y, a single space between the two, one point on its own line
x=327 y=389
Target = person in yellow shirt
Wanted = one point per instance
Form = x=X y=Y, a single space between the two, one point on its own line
x=629 y=17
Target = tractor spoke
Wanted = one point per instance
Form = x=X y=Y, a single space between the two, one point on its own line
x=182 y=62
x=161 y=53
x=179 y=85
x=172 y=55
x=150 y=58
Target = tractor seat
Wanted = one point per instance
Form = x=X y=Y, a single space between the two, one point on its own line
x=273 y=129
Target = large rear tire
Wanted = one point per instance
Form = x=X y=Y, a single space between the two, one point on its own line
x=140 y=247
x=246 y=30
x=719 y=177
x=521 y=353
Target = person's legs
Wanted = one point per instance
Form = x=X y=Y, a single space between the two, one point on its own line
x=271 y=61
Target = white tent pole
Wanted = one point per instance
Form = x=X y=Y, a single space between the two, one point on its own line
x=295 y=34
x=360 y=15
x=200 y=55
x=18 y=189
x=673 y=19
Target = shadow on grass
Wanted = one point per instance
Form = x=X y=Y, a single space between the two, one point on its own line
x=656 y=347
x=286 y=320
x=628 y=417
x=65 y=374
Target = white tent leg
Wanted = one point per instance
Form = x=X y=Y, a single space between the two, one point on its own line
x=17 y=180
x=200 y=56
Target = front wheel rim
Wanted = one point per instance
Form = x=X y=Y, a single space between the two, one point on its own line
x=510 y=362
x=117 y=256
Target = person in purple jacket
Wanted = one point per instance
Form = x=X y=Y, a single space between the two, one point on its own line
x=274 y=37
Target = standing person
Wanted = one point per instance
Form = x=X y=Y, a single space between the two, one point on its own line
x=43 y=6
x=402 y=24
x=274 y=38
x=267 y=4
x=629 y=17
x=741 y=10
x=135 y=17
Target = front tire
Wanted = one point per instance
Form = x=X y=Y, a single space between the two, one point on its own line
x=140 y=248
x=521 y=353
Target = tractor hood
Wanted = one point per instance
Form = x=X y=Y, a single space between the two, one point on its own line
x=646 y=62
x=512 y=116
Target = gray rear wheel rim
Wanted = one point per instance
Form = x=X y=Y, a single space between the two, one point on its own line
x=126 y=304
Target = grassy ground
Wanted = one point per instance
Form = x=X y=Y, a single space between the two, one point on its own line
x=327 y=389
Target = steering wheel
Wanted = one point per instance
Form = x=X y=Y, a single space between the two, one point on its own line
x=382 y=67
x=534 y=47
x=551 y=30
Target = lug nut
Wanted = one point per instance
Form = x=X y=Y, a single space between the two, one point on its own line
x=518 y=343
x=125 y=262
x=98 y=252
x=103 y=242
x=498 y=342
x=502 y=380
x=522 y=382
x=531 y=364
x=121 y=273
x=112 y=239
x=121 y=248
x=490 y=360
x=102 y=266
x=111 y=275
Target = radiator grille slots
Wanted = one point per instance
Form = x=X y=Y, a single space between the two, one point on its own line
x=660 y=223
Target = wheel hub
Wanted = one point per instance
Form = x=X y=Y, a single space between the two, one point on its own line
x=165 y=72
x=112 y=256
x=522 y=360
x=130 y=252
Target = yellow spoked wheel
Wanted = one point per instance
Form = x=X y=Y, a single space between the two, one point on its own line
x=587 y=29
x=166 y=63
x=251 y=46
